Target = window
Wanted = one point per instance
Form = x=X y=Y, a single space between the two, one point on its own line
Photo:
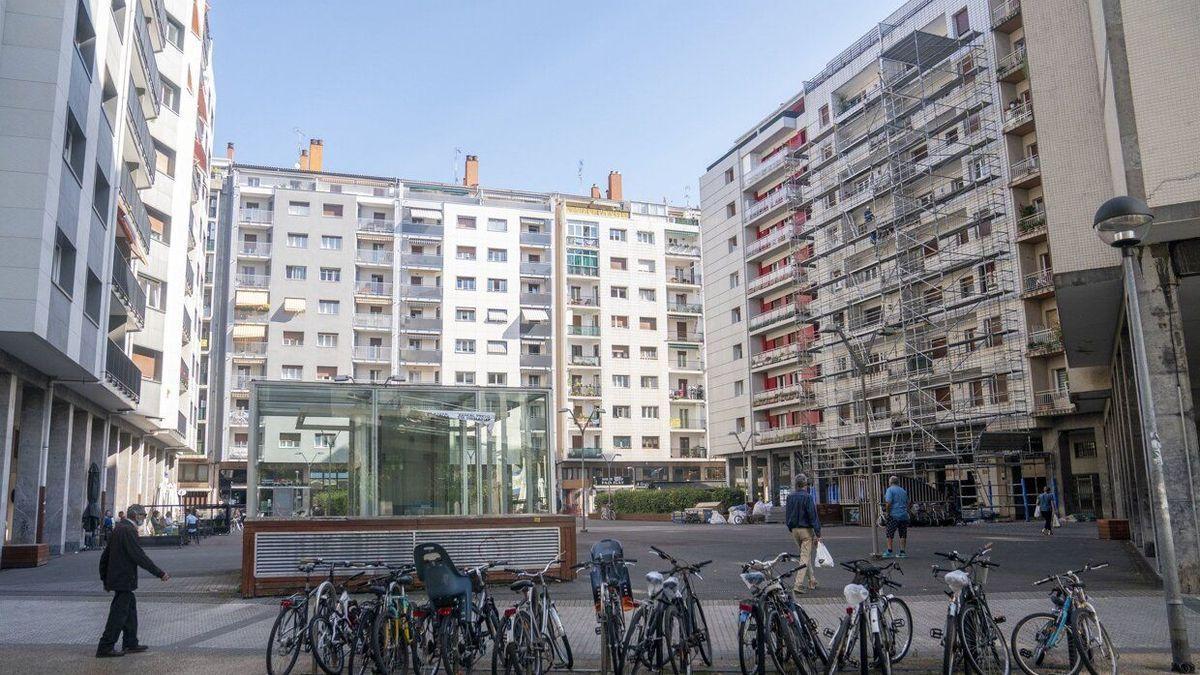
x=327 y=306
x=735 y=315
x=291 y=373
x=620 y=381
x=648 y=323
x=149 y=362
x=174 y=32
x=170 y=95
x=647 y=294
x=497 y=285
x=650 y=442
x=466 y=222
x=618 y=263
x=464 y=377
x=645 y=265
x=737 y=352
x=331 y=243
x=498 y=379
x=966 y=286
x=325 y=441
x=620 y=321
x=297 y=208
x=621 y=412
x=62 y=269
x=465 y=253
x=289 y=441
x=649 y=412
x=100 y=196
x=164 y=160
x=824 y=114
x=620 y=351
x=297 y=240
x=1084 y=448
x=93 y=295
x=999 y=388
x=293 y=338
x=649 y=353
x=331 y=210
x=296 y=272
x=497 y=225
x=620 y=292
x=497 y=347
x=734 y=280
x=465 y=283
x=326 y=372
x=739 y=425
x=615 y=234
x=728 y=176
x=739 y=388
x=962 y=23
x=74 y=147
x=85 y=39
x=622 y=442
x=497 y=255
x=327 y=339
x=331 y=274
x=732 y=244
x=464 y=346
x=497 y=316
x=645 y=237
x=730 y=210
x=465 y=314
x=649 y=382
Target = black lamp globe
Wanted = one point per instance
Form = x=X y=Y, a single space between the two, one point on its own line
x=1122 y=221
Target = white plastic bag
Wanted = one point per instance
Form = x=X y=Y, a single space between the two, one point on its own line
x=1037 y=511
x=716 y=518
x=1055 y=521
x=823 y=557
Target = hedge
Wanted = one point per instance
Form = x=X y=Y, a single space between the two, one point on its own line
x=669 y=499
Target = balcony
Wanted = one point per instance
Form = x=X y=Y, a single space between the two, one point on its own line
x=1025 y=173
x=421 y=356
x=251 y=316
x=535 y=299
x=421 y=260
x=1006 y=16
x=868 y=319
x=688 y=424
x=368 y=321
x=1018 y=118
x=581 y=361
x=688 y=394
x=535 y=269
x=782 y=394
x=146 y=72
x=135 y=210
x=787 y=434
x=780 y=159
x=684 y=279
x=694 y=336
x=536 y=330
x=543 y=361
x=186 y=336
x=407 y=227
x=256 y=216
x=365 y=256
x=535 y=239
x=249 y=349
x=376 y=226
x=420 y=324
x=239 y=417
x=127 y=289
x=1031 y=226
x=375 y=289
x=1044 y=341
x=143 y=143
x=585 y=453
x=585 y=391
x=121 y=372
x=757 y=209
x=687 y=365
x=374 y=353
x=771 y=279
x=252 y=280
x=156 y=11
x=242 y=382
x=583 y=242
x=419 y=292
x=250 y=249
x=685 y=308
x=582 y=271
x=584 y=302
x=1011 y=66
x=683 y=251
x=583 y=331
x=788 y=312
x=1038 y=284
x=763 y=244
x=693 y=452
x=1052 y=402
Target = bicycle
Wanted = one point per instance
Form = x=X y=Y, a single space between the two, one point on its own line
x=1049 y=642
x=696 y=627
x=289 y=633
x=532 y=637
x=611 y=594
x=878 y=624
x=657 y=634
x=464 y=620
x=335 y=622
x=386 y=639
x=771 y=623
x=972 y=634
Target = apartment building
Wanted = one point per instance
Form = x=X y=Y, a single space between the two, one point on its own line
x=868 y=308
x=106 y=107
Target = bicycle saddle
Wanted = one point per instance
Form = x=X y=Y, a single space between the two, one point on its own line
x=520 y=585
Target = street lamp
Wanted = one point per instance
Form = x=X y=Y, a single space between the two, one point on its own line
x=583 y=480
x=308 y=474
x=1123 y=223
x=749 y=442
x=860 y=368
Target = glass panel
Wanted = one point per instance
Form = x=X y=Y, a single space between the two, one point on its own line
x=423 y=452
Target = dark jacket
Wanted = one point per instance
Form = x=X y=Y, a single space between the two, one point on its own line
x=122 y=557
x=802 y=512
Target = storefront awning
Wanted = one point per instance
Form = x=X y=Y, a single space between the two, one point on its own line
x=246 y=298
x=293 y=304
x=535 y=314
x=247 y=331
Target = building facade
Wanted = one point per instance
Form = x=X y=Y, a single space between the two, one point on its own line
x=108 y=111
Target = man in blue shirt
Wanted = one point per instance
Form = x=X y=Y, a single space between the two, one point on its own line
x=805 y=526
x=896 y=499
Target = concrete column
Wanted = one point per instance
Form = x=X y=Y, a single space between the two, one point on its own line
x=138 y=473
x=122 y=493
x=108 y=467
x=8 y=417
x=58 y=474
x=81 y=451
x=32 y=450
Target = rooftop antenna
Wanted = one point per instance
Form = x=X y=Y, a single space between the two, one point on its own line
x=299 y=145
x=579 y=174
x=454 y=165
x=687 y=195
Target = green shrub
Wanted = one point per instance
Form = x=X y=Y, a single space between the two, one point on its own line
x=669 y=499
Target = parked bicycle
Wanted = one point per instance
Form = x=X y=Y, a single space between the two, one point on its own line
x=335 y=619
x=532 y=638
x=771 y=624
x=465 y=620
x=386 y=640
x=972 y=634
x=877 y=627
x=611 y=593
x=670 y=627
x=289 y=633
x=1069 y=637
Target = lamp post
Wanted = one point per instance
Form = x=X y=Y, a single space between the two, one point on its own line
x=860 y=367
x=308 y=475
x=583 y=479
x=1123 y=223
x=749 y=442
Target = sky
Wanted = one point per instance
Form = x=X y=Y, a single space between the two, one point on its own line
x=656 y=89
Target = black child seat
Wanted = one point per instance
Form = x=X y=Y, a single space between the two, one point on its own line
x=608 y=558
x=445 y=584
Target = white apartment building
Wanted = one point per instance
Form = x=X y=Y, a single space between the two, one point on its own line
x=105 y=111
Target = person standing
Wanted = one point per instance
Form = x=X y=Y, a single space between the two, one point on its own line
x=1046 y=508
x=193 y=527
x=896 y=500
x=119 y=573
x=805 y=526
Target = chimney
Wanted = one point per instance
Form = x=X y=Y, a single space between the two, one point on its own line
x=595 y=191
x=614 y=186
x=316 y=154
x=229 y=151
x=304 y=160
x=471 y=173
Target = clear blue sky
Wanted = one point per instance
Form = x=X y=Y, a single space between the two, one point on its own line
x=657 y=89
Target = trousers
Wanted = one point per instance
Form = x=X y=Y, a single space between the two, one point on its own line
x=122 y=618
x=807 y=541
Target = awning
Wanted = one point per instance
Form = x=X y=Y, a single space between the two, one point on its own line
x=535 y=315
x=244 y=331
x=425 y=214
x=293 y=304
x=246 y=298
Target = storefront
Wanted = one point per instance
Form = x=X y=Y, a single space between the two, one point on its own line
x=346 y=449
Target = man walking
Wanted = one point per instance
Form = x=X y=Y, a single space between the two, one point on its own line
x=119 y=571
x=1046 y=508
x=805 y=526
x=896 y=499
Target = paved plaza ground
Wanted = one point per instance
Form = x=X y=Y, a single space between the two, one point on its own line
x=51 y=617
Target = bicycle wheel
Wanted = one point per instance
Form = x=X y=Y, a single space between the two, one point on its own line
x=950 y=645
x=807 y=643
x=779 y=641
x=751 y=651
x=699 y=625
x=362 y=661
x=635 y=643
x=327 y=647
x=864 y=657
x=1040 y=648
x=452 y=645
x=883 y=653
x=559 y=642
x=520 y=654
x=896 y=619
x=614 y=633
x=391 y=639
x=1097 y=651
x=285 y=641
x=982 y=640
x=677 y=639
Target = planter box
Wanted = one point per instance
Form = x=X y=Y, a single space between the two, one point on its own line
x=1117 y=530
x=24 y=555
x=645 y=517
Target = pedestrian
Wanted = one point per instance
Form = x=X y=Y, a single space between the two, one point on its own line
x=119 y=573
x=805 y=526
x=193 y=527
x=1046 y=507
x=896 y=500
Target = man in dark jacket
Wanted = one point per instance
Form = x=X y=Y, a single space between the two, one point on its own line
x=119 y=571
x=805 y=526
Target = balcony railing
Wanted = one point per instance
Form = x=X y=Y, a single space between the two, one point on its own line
x=1045 y=340
x=685 y=364
x=583 y=242
x=419 y=292
x=756 y=209
x=420 y=323
x=768 y=242
x=145 y=50
x=795 y=432
x=253 y=280
x=254 y=249
x=1052 y=401
x=426 y=356
x=685 y=308
x=775 y=161
x=1017 y=115
x=535 y=239
x=249 y=348
x=239 y=418
x=686 y=250
x=127 y=289
x=121 y=372
x=586 y=331
x=771 y=278
x=688 y=424
x=583 y=270
x=694 y=452
x=1040 y=280
x=376 y=225
x=256 y=216
x=536 y=360
x=1011 y=61
x=140 y=130
x=536 y=299
x=1031 y=222
x=135 y=209
x=788 y=311
x=1029 y=165
x=539 y=329
x=775 y=355
x=1006 y=10
x=535 y=269
x=686 y=336
x=371 y=257
x=242 y=382
x=586 y=361
x=241 y=315
x=372 y=353
x=690 y=278
x=422 y=229
x=863 y=320
x=368 y=320
x=584 y=301
x=373 y=288
x=688 y=394
x=780 y=394
x=585 y=390
x=421 y=260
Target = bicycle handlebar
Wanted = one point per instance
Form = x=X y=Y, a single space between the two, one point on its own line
x=1071 y=573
